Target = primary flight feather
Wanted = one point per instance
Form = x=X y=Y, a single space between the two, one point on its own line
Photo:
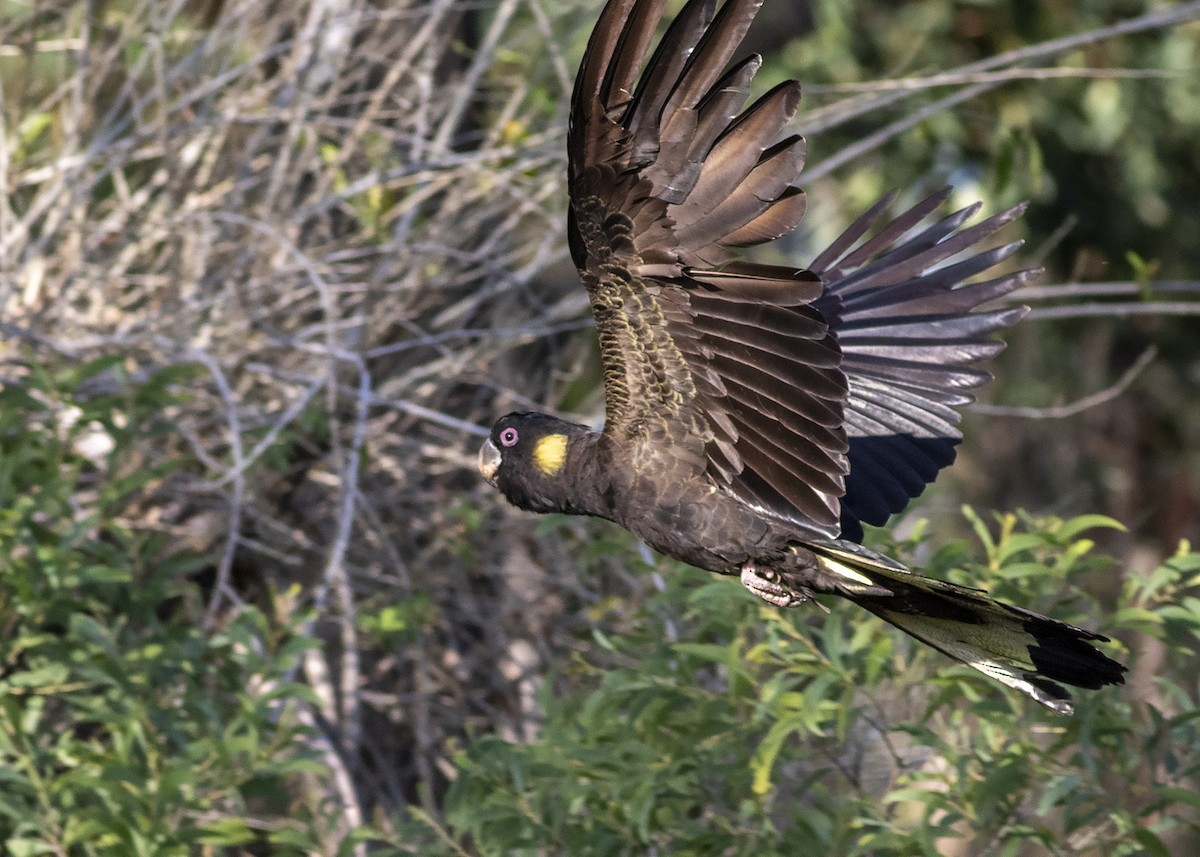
x=757 y=415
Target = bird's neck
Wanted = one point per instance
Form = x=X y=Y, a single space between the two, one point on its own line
x=592 y=487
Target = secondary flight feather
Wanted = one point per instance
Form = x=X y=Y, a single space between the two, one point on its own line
x=757 y=415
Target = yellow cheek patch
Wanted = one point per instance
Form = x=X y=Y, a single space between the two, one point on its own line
x=550 y=453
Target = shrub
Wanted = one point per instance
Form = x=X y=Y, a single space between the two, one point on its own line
x=714 y=724
x=126 y=727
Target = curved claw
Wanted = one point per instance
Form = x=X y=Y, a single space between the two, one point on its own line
x=767 y=587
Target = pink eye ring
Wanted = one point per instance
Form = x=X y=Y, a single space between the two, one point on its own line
x=508 y=437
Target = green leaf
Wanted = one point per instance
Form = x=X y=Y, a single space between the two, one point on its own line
x=981 y=530
x=225 y=831
x=767 y=752
x=26 y=847
x=88 y=629
x=47 y=674
x=1151 y=843
x=1178 y=795
x=1073 y=527
x=1060 y=787
x=1018 y=543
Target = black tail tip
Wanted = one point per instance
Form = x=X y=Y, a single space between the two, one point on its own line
x=1065 y=654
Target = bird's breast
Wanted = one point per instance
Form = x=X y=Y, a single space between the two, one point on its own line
x=694 y=522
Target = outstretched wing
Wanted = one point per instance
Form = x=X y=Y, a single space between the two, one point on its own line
x=785 y=390
x=667 y=174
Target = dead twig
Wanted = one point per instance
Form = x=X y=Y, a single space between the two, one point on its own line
x=1058 y=412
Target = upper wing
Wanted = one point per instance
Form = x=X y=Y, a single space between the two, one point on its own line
x=786 y=391
x=667 y=173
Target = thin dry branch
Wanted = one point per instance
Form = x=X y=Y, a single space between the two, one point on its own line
x=831 y=116
x=895 y=129
x=1114 y=309
x=1151 y=303
x=1058 y=412
x=222 y=590
x=1074 y=291
x=1011 y=75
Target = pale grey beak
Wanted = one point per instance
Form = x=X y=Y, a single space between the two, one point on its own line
x=489 y=461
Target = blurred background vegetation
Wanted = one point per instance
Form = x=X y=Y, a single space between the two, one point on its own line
x=267 y=273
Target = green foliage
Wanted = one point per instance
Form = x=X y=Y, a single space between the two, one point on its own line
x=1108 y=151
x=125 y=726
x=709 y=723
x=697 y=721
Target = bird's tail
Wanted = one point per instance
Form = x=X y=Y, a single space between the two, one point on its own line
x=1020 y=648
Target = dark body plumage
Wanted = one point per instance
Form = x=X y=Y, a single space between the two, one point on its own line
x=757 y=415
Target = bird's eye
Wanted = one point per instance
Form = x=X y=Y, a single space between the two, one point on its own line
x=508 y=437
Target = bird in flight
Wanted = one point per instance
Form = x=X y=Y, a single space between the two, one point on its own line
x=756 y=415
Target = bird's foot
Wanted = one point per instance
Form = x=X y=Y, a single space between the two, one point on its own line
x=765 y=585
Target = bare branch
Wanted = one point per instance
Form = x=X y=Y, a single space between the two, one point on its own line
x=894 y=129
x=837 y=114
x=1051 y=291
x=1004 y=76
x=1058 y=412
x=1114 y=310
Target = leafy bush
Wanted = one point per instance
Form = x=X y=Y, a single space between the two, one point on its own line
x=126 y=727
x=714 y=724
x=699 y=721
